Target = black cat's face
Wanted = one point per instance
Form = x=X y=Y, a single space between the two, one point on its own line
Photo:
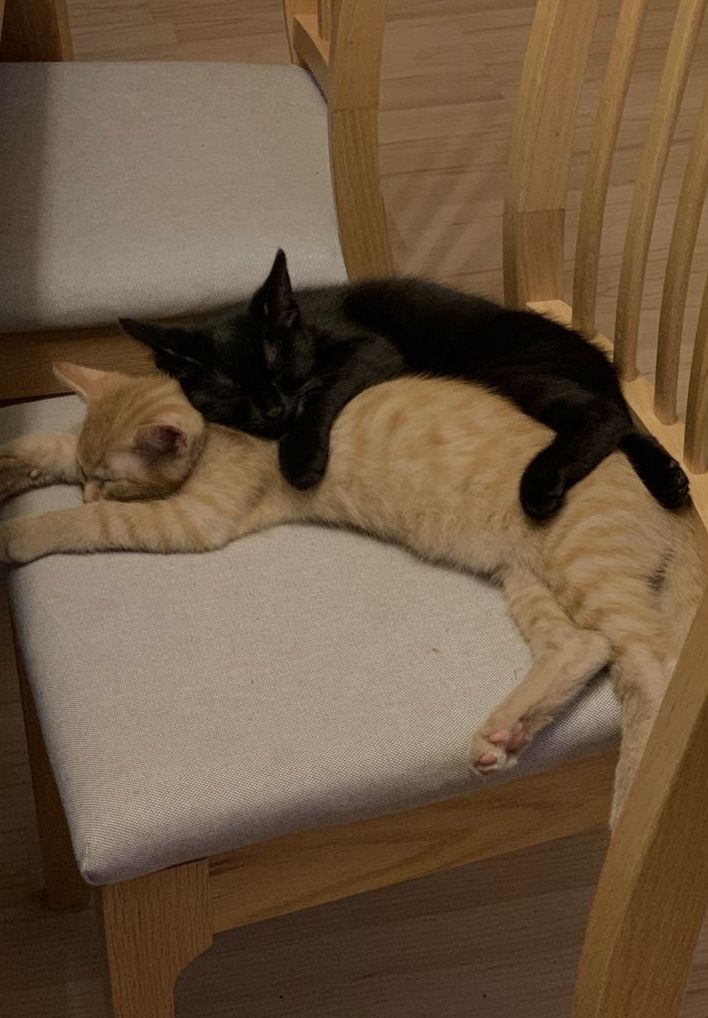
x=249 y=369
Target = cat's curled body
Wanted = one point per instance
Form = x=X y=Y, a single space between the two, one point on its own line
x=432 y=464
x=285 y=363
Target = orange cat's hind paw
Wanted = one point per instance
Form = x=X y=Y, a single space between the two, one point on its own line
x=498 y=750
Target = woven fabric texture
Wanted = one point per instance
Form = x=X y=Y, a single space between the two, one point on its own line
x=157 y=188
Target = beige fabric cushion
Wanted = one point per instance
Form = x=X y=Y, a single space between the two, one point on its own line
x=304 y=676
x=157 y=188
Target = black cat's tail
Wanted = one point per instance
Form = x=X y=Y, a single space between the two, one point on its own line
x=660 y=473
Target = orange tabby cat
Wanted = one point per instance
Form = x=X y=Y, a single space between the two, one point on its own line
x=432 y=464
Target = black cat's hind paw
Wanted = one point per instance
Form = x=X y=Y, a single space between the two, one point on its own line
x=662 y=475
x=542 y=491
x=670 y=485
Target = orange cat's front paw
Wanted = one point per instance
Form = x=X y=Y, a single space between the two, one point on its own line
x=497 y=750
x=16 y=475
x=17 y=542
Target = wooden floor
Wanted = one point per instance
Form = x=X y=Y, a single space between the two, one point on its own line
x=500 y=937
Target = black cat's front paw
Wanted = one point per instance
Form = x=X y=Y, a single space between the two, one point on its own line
x=542 y=490
x=302 y=463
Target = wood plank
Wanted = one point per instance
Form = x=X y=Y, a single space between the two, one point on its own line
x=291 y=9
x=26 y=358
x=653 y=891
x=696 y=444
x=500 y=937
x=354 y=157
x=354 y=86
x=324 y=18
x=313 y=867
x=154 y=926
x=311 y=50
x=541 y=146
x=649 y=180
x=35 y=30
x=600 y=157
x=678 y=271
x=531 y=251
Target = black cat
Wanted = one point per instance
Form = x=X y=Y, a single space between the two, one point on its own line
x=283 y=365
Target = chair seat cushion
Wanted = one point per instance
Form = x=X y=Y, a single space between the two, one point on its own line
x=157 y=188
x=301 y=677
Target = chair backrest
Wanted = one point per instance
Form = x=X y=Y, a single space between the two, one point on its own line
x=654 y=887
x=536 y=198
x=339 y=42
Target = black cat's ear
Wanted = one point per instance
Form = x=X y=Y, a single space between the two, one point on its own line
x=173 y=347
x=275 y=301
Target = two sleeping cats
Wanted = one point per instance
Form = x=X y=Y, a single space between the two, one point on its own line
x=433 y=464
x=284 y=364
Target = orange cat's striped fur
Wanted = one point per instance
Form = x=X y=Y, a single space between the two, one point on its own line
x=432 y=464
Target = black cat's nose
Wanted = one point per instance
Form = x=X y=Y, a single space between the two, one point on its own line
x=274 y=411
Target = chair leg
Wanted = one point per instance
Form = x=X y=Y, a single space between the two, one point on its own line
x=652 y=895
x=154 y=926
x=64 y=885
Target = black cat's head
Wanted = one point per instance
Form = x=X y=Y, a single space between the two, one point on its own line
x=249 y=368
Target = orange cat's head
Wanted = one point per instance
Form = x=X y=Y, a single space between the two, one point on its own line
x=140 y=438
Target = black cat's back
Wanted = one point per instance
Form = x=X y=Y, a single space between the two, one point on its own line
x=434 y=326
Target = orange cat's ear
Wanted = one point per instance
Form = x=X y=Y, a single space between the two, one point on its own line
x=154 y=440
x=88 y=383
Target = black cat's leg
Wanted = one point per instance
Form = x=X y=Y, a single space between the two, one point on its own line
x=661 y=473
x=304 y=451
x=571 y=456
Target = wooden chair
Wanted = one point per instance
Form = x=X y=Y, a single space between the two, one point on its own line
x=654 y=886
x=342 y=51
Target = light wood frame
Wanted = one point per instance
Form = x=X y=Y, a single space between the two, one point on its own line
x=653 y=890
x=340 y=44
x=634 y=963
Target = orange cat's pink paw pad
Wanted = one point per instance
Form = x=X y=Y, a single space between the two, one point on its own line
x=518 y=737
x=498 y=750
x=499 y=738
